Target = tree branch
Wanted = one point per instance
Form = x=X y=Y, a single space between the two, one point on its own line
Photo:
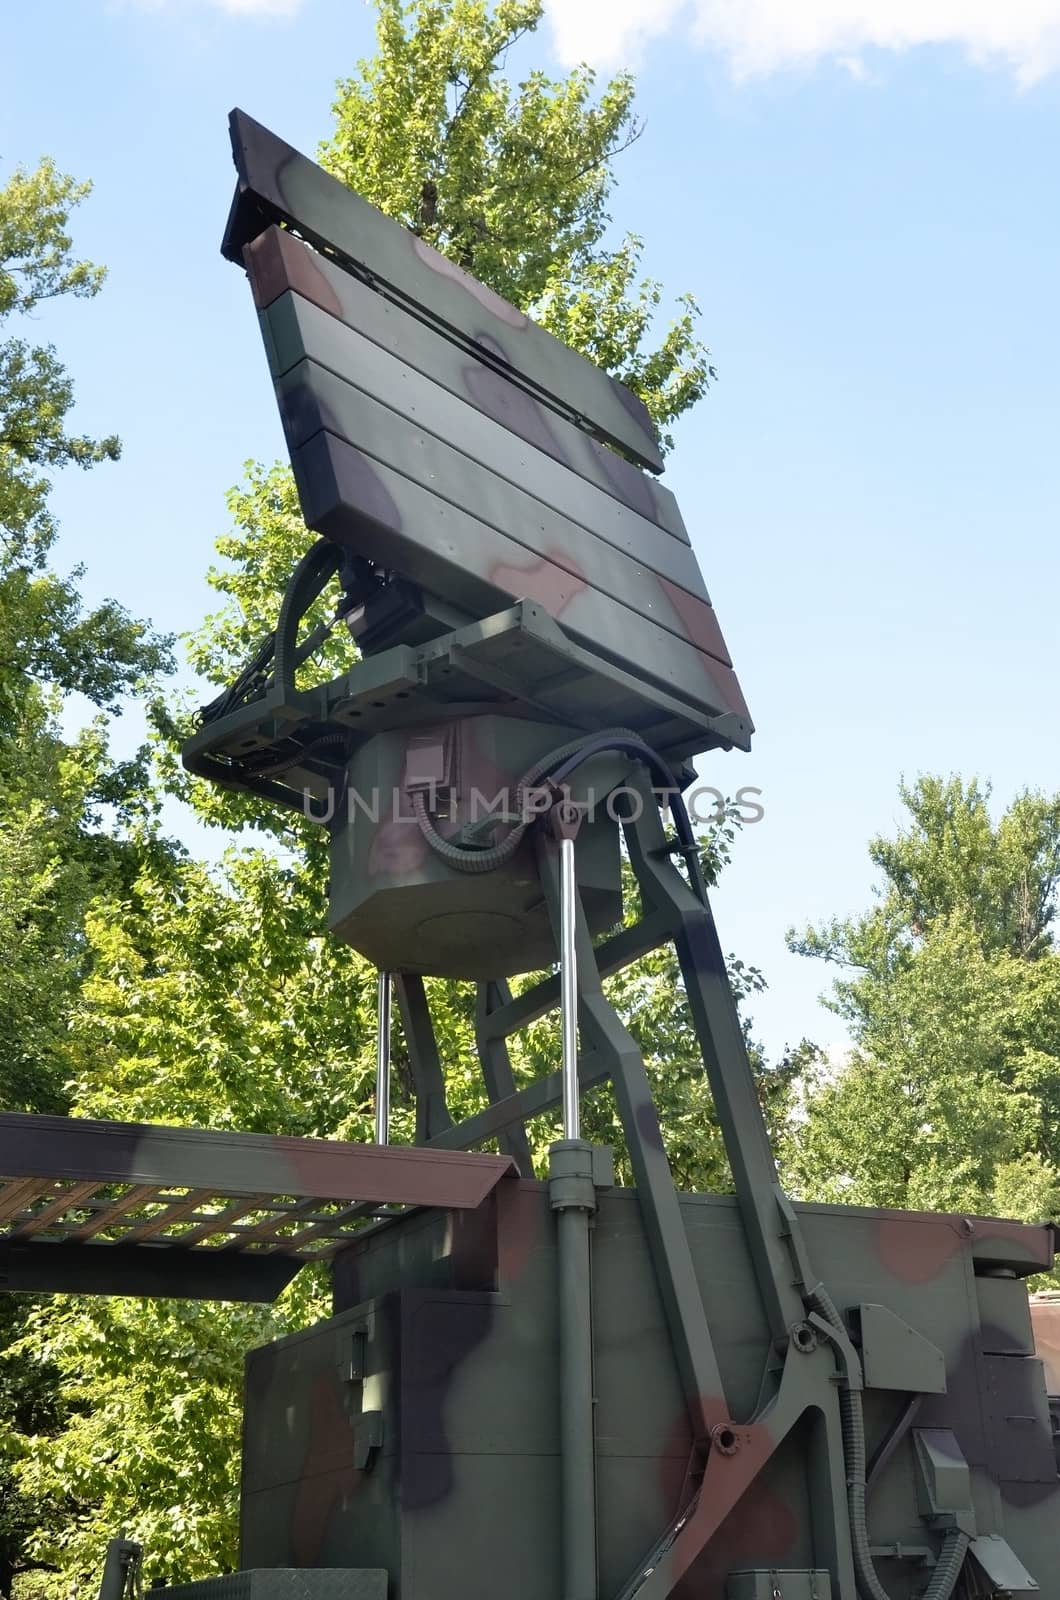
x=484 y=67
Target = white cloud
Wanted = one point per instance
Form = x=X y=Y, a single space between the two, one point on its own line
x=756 y=37
x=609 y=33
x=854 y=65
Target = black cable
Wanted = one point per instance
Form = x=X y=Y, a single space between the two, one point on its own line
x=682 y=822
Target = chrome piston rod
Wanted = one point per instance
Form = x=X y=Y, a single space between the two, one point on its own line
x=382 y=1061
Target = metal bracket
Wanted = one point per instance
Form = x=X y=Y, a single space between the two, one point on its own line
x=944 y=1485
x=122 y=1570
x=896 y=1356
x=367 y=1440
x=353 y=1354
x=1002 y=1565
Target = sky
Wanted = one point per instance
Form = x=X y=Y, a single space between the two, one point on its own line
x=862 y=196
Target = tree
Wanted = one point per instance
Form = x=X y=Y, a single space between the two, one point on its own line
x=212 y=996
x=54 y=791
x=45 y=633
x=950 y=986
x=513 y=182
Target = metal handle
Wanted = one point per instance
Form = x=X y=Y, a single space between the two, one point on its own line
x=568 y=988
x=382 y=1062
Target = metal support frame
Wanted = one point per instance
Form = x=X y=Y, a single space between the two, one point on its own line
x=122 y=1570
x=92 y=1207
x=572 y=1195
x=603 y=1031
x=492 y=998
x=804 y=1389
x=432 y=1112
x=728 y=1069
x=804 y=1381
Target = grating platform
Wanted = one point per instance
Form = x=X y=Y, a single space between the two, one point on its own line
x=110 y=1208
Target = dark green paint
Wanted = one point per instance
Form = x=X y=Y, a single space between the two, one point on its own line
x=561 y=1392
x=276 y=262
x=377 y=512
x=295 y=329
x=278 y=184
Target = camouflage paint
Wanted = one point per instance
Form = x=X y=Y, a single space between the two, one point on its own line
x=203 y=1214
x=464 y=1445
x=375 y=510
x=402 y=456
x=278 y=184
x=296 y=330
x=276 y=261
x=382 y=417
x=397 y=902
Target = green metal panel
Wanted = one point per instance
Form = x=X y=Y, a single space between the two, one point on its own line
x=165 y=1274
x=376 y=511
x=406 y=423
x=479 y=1450
x=942 y=1472
x=277 y=261
x=261 y=1165
x=302 y=1410
x=774 y=1583
x=280 y=1583
x=312 y=398
x=275 y=180
x=1004 y=1316
x=1002 y=1567
x=294 y=329
x=896 y=1356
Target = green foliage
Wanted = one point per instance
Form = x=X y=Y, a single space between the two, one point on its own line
x=151 y=1415
x=954 y=860
x=56 y=793
x=512 y=182
x=35 y=249
x=29 y=1405
x=211 y=996
x=950 y=986
x=215 y=1000
x=44 y=631
x=53 y=793
x=46 y=877
x=210 y=1000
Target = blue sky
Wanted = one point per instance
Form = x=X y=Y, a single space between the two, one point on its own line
x=862 y=197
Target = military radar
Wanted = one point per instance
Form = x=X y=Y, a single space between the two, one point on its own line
x=540 y=1386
